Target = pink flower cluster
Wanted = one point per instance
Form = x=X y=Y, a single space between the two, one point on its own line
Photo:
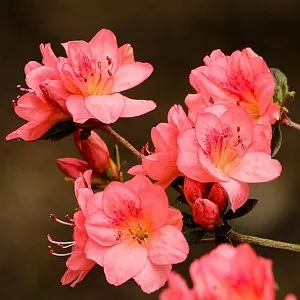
x=218 y=147
x=122 y=231
x=83 y=86
x=226 y=273
x=226 y=137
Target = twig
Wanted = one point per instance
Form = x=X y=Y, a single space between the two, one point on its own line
x=287 y=121
x=124 y=142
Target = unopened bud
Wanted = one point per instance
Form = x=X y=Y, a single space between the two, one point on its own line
x=206 y=213
x=218 y=195
x=72 y=167
x=93 y=150
x=194 y=190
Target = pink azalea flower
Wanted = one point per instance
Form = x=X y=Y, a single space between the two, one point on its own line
x=208 y=202
x=233 y=273
x=161 y=165
x=139 y=239
x=221 y=149
x=39 y=106
x=242 y=79
x=96 y=72
x=177 y=290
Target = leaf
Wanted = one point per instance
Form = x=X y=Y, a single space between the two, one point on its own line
x=188 y=219
x=59 y=131
x=276 y=139
x=181 y=200
x=242 y=211
x=223 y=230
x=193 y=235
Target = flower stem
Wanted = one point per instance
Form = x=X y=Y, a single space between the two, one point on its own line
x=287 y=121
x=123 y=141
x=242 y=238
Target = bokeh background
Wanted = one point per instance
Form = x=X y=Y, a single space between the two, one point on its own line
x=174 y=36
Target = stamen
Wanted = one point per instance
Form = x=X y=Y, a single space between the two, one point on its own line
x=109 y=72
x=238 y=129
x=58 y=242
x=60 y=221
x=99 y=64
x=68 y=218
x=109 y=61
x=146 y=149
x=67 y=246
x=130 y=231
x=51 y=251
x=211 y=100
x=238 y=102
x=24 y=89
x=14 y=103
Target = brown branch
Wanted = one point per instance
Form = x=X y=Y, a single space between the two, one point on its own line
x=288 y=122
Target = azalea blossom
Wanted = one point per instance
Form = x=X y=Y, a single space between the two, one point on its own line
x=40 y=108
x=96 y=157
x=162 y=164
x=223 y=149
x=139 y=235
x=78 y=264
x=241 y=79
x=96 y=72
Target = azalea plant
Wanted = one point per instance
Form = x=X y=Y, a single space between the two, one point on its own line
x=125 y=222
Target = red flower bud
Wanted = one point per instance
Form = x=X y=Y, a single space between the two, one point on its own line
x=206 y=213
x=194 y=190
x=72 y=167
x=218 y=196
x=93 y=150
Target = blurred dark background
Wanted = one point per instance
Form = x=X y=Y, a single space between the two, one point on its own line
x=174 y=36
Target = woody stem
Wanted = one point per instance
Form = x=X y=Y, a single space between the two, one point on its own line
x=242 y=238
x=287 y=121
x=122 y=141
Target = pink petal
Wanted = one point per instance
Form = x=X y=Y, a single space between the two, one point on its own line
x=152 y=277
x=101 y=229
x=76 y=107
x=217 y=109
x=161 y=165
x=95 y=252
x=119 y=201
x=241 y=123
x=134 y=108
x=78 y=261
x=238 y=192
x=104 y=44
x=217 y=57
x=175 y=218
x=262 y=137
x=128 y=76
x=31 y=66
x=137 y=170
x=177 y=117
x=164 y=137
x=123 y=262
x=177 y=290
x=94 y=203
x=126 y=55
x=208 y=166
x=207 y=125
x=107 y=109
x=167 y=245
x=196 y=104
x=257 y=167
x=187 y=161
x=49 y=58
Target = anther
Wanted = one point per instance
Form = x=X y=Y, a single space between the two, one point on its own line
x=99 y=64
x=24 y=89
x=60 y=221
x=51 y=251
x=14 y=103
x=108 y=60
x=238 y=129
x=68 y=218
x=211 y=100
x=109 y=72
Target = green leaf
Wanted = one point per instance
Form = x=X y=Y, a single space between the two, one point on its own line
x=242 y=211
x=222 y=239
x=193 y=235
x=282 y=95
x=276 y=139
x=59 y=131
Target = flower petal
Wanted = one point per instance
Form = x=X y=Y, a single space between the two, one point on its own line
x=237 y=191
x=167 y=245
x=135 y=108
x=137 y=170
x=95 y=252
x=124 y=261
x=107 y=109
x=128 y=76
x=257 y=167
x=152 y=277
x=101 y=229
x=76 y=107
